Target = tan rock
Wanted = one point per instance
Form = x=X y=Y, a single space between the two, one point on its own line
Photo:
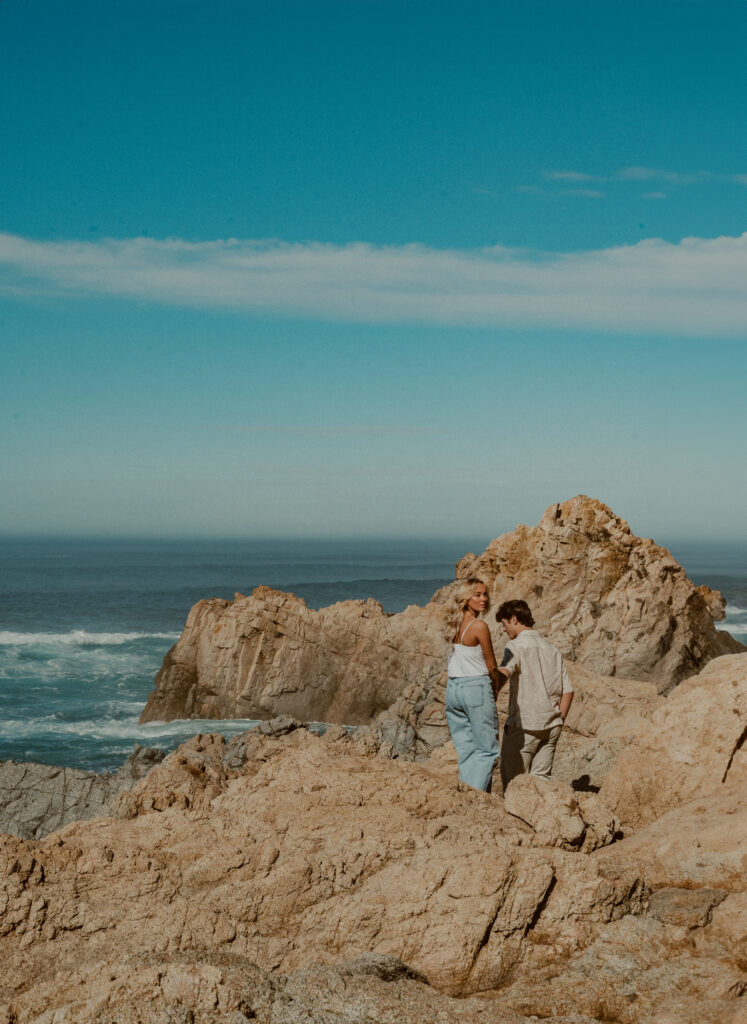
x=615 y=603
x=618 y=604
x=636 y=971
x=692 y=746
x=558 y=816
x=181 y=988
x=310 y=853
x=245 y=876
x=269 y=654
x=700 y=844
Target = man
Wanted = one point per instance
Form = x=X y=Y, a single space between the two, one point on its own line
x=539 y=697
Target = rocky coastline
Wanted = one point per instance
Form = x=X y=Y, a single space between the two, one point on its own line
x=611 y=602
x=282 y=876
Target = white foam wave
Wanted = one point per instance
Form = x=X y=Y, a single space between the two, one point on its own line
x=96 y=729
x=78 y=638
x=734 y=609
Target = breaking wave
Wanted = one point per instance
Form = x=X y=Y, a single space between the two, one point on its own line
x=78 y=638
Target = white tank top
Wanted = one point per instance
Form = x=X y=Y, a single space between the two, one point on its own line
x=467 y=661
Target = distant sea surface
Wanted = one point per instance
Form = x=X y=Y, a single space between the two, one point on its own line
x=84 y=627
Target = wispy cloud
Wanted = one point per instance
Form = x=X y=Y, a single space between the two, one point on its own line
x=653 y=195
x=585 y=193
x=636 y=173
x=694 y=287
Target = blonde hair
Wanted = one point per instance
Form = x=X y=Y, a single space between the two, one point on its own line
x=457 y=604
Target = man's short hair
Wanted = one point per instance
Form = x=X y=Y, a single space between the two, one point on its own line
x=518 y=608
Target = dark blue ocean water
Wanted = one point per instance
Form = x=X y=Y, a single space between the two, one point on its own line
x=84 y=626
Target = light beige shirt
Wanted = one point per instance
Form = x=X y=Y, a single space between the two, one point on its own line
x=538 y=680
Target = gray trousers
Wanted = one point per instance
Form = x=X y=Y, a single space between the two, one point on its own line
x=528 y=751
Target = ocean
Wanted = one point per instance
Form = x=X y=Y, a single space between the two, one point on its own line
x=84 y=626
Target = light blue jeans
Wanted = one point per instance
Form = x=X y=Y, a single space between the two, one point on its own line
x=473 y=724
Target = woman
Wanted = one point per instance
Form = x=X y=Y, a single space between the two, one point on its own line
x=474 y=681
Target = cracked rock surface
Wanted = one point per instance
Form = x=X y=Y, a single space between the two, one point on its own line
x=240 y=879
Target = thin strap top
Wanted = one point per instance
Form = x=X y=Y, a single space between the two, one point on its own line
x=464 y=633
x=467 y=661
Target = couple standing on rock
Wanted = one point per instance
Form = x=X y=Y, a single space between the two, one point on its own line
x=539 y=697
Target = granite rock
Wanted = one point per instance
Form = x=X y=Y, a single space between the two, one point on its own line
x=558 y=816
x=36 y=799
x=618 y=604
x=692 y=745
x=310 y=852
x=287 y=877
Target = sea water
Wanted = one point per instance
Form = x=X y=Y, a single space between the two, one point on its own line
x=84 y=627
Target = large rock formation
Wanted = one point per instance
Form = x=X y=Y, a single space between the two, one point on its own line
x=269 y=654
x=613 y=603
x=234 y=867
x=616 y=603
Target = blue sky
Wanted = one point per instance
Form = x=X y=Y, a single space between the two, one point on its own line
x=366 y=268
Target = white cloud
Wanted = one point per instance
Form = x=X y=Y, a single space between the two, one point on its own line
x=654 y=174
x=694 y=287
x=647 y=174
x=653 y=195
x=588 y=193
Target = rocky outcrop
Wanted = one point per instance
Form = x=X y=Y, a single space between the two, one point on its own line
x=693 y=745
x=281 y=876
x=616 y=604
x=309 y=852
x=268 y=654
x=640 y=970
x=181 y=988
x=36 y=799
x=613 y=602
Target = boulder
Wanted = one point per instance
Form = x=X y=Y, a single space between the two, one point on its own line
x=700 y=844
x=618 y=605
x=693 y=744
x=558 y=816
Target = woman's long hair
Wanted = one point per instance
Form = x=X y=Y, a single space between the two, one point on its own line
x=457 y=605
